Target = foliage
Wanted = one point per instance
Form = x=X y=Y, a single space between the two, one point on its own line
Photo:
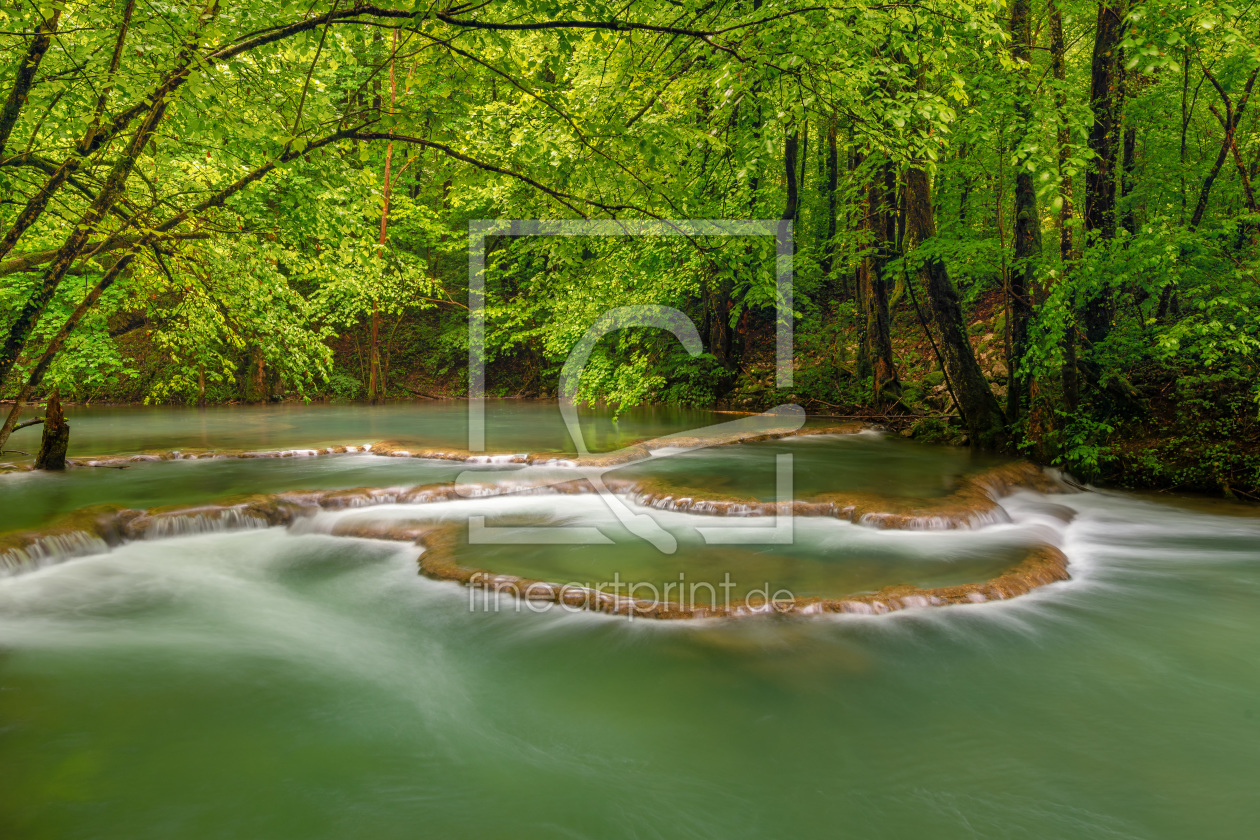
x=254 y=249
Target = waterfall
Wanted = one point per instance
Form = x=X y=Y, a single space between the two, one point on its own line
x=51 y=548
x=202 y=522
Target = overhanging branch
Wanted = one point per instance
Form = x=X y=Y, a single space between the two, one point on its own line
x=31 y=261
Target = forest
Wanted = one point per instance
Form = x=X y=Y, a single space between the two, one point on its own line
x=1027 y=226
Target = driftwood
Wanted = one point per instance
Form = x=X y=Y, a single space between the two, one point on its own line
x=420 y=393
x=890 y=416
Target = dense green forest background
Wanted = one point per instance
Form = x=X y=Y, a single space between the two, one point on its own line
x=1032 y=226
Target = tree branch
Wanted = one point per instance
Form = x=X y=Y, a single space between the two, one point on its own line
x=24 y=75
x=27 y=262
x=567 y=199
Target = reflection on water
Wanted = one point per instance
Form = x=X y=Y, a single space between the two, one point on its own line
x=511 y=425
x=870 y=463
x=291 y=684
x=827 y=557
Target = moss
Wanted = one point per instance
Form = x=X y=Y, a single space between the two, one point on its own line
x=937 y=431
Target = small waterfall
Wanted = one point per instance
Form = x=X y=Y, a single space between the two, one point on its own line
x=49 y=549
x=686 y=504
x=479 y=491
x=201 y=522
x=360 y=498
x=553 y=462
x=928 y=522
x=498 y=459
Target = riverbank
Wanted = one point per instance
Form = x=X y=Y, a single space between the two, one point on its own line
x=1191 y=442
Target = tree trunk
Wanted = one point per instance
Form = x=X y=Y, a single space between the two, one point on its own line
x=833 y=176
x=24 y=74
x=981 y=413
x=1230 y=121
x=1067 y=244
x=1058 y=66
x=1185 y=124
x=721 y=343
x=376 y=387
x=55 y=345
x=881 y=222
x=153 y=106
x=792 y=205
x=1100 y=174
x=52 y=448
x=28 y=315
x=1027 y=233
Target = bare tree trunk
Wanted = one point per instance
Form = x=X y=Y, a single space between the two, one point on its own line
x=1027 y=233
x=981 y=413
x=376 y=387
x=1067 y=245
x=1205 y=191
x=1185 y=124
x=833 y=176
x=804 y=158
x=1100 y=174
x=790 y=142
x=881 y=221
x=1230 y=121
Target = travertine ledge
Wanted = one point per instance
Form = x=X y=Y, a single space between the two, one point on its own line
x=407 y=449
x=1041 y=565
x=973 y=504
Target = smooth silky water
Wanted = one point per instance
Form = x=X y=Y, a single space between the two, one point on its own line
x=288 y=683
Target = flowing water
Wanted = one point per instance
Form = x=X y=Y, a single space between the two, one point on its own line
x=286 y=682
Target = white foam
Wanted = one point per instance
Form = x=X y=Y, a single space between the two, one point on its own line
x=49 y=549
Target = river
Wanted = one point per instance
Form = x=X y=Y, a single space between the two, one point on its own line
x=290 y=682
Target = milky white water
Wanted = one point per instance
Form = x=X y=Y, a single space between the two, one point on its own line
x=287 y=683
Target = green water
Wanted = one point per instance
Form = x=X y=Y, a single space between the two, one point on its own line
x=865 y=463
x=286 y=683
x=510 y=425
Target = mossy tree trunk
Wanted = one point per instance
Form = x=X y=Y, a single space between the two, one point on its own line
x=52 y=448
